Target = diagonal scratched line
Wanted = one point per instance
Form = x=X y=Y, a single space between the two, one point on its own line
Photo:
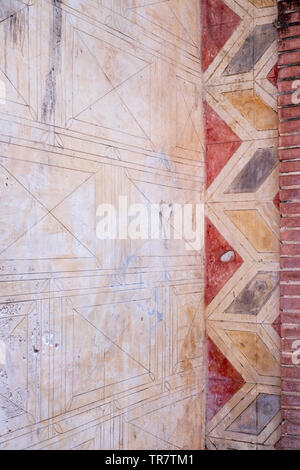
x=126 y=327
x=17 y=406
x=101 y=126
x=192 y=322
x=79 y=394
x=51 y=165
x=183 y=27
x=111 y=341
x=18 y=92
x=152 y=401
x=148 y=200
x=124 y=104
x=36 y=223
x=16 y=326
x=186 y=122
x=162 y=27
x=114 y=87
x=110 y=91
x=74 y=191
x=22 y=8
x=190 y=117
x=149 y=4
x=42 y=218
x=153 y=435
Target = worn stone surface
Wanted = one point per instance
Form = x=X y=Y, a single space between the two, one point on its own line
x=101 y=341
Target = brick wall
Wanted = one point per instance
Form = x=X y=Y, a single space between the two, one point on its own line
x=289 y=151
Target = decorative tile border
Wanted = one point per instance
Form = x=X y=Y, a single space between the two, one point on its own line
x=239 y=56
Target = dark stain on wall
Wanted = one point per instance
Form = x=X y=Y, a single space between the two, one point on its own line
x=14 y=29
x=9 y=8
x=284 y=9
x=49 y=101
x=255 y=295
x=252 y=50
x=255 y=172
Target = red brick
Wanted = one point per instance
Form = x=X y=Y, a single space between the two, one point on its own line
x=286 y=358
x=290 y=236
x=289 y=221
x=289 y=167
x=290 y=276
x=290 y=208
x=288 y=386
x=284 y=100
x=288 y=85
x=292 y=17
x=290 y=318
x=290 y=443
x=289 y=304
x=289 y=250
x=286 y=154
x=290 y=331
x=289 y=180
x=289 y=113
x=289 y=263
x=290 y=400
x=290 y=31
x=290 y=428
x=290 y=372
x=287 y=345
x=290 y=289
x=289 y=140
x=288 y=44
x=288 y=58
x=288 y=127
x=285 y=6
x=289 y=72
x=289 y=195
x=291 y=415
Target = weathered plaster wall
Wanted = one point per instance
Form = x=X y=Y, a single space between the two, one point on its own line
x=101 y=342
x=242 y=242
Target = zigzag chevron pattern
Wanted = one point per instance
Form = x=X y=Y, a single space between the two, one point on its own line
x=242 y=241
